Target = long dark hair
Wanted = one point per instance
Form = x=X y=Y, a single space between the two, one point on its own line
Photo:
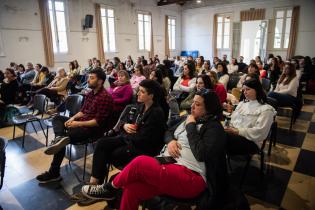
x=154 y=88
x=256 y=85
x=290 y=76
x=206 y=80
x=212 y=102
x=225 y=70
x=191 y=68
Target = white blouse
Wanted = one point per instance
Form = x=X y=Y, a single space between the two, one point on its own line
x=253 y=120
x=290 y=88
x=224 y=80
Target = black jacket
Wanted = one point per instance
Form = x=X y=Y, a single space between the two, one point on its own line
x=208 y=145
x=150 y=132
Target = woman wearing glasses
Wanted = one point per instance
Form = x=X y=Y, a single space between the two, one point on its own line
x=251 y=120
x=193 y=162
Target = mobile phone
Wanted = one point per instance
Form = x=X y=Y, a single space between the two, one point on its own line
x=165 y=159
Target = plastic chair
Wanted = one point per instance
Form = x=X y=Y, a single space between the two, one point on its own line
x=266 y=84
x=22 y=120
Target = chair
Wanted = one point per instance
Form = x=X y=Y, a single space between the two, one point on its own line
x=22 y=120
x=266 y=84
x=3 y=145
x=274 y=127
x=73 y=105
x=233 y=80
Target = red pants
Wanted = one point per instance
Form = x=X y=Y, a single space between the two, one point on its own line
x=143 y=178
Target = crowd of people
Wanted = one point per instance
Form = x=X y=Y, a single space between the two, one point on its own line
x=159 y=121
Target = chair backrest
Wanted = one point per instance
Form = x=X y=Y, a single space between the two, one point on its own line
x=73 y=103
x=266 y=84
x=233 y=80
x=3 y=145
x=40 y=103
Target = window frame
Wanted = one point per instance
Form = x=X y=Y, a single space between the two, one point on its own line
x=66 y=14
x=223 y=31
x=143 y=29
x=284 y=27
x=106 y=7
x=170 y=41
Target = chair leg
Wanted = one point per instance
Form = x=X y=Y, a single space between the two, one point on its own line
x=24 y=129
x=275 y=134
x=270 y=144
x=34 y=127
x=13 y=132
x=47 y=137
x=41 y=126
x=70 y=153
x=249 y=158
x=84 y=163
x=262 y=165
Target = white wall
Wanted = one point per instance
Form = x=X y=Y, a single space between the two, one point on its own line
x=197 y=24
x=20 y=28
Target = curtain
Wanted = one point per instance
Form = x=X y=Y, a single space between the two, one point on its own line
x=293 y=31
x=99 y=33
x=46 y=31
x=214 y=40
x=167 y=47
x=151 y=53
x=253 y=14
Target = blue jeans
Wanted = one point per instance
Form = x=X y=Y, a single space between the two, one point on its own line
x=283 y=99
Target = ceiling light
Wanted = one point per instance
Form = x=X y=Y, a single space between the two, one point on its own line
x=198 y=1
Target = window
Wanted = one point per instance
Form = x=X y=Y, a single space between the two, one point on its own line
x=144 y=31
x=171 y=33
x=223 y=32
x=108 y=26
x=58 y=26
x=282 y=28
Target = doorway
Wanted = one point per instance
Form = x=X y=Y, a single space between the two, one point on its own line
x=253 y=39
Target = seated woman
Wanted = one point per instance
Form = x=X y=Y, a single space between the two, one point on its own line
x=250 y=122
x=57 y=88
x=137 y=77
x=252 y=68
x=218 y=87
x=206 y=67
x=8 y=91
x=196 y=151
x=121 y=92
x=233 y=66
x=142 y=133
x=203 y=82
x=186 y=83
x=222 y=73
x=286 y=90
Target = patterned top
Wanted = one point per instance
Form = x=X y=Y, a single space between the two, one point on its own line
x=97 y=106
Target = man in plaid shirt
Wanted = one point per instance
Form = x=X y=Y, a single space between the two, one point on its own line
x=91 y=122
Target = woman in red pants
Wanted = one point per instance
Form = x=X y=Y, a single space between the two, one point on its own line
x=193 y=161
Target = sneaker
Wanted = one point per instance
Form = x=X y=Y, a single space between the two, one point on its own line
x=99 y=192
x=47 y=177
x=57 y=144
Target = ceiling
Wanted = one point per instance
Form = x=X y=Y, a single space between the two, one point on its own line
x=188 y=4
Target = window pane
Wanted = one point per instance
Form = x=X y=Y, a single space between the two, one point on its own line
x=286 y=40
x=140 y=17
x=288 y=26
x=49 y=5
x=169 y=35
x=173 y=21
x=141 y=42
x=111 y=31
x=219 y=29
x=140 y=28
x=63 y=46
x=110 y=13
x=226 y=42
x=289 y=13
x=112 y=42
x=219 y=41
x=168 y=21
x=59 y=6
x=279 y=25
x=147 y=29
x=103 y=12
x=173 y=38
x=227 y=20
x=104 y=28
x=280 y=14
x=146 y=17
x=53 y=33
x=227 y=29
x=220 y=19
x=277 y=41
x=61 y=22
